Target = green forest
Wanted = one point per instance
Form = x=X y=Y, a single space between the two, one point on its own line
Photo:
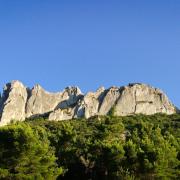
x=102 y=147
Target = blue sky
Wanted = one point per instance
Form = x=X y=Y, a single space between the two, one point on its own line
x=91 y=43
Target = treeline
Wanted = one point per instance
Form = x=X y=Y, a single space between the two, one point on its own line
x=103 y=147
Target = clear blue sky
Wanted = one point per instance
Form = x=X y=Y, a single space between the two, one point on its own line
x=90 y=43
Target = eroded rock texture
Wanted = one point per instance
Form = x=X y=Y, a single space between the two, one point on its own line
x=18 y=102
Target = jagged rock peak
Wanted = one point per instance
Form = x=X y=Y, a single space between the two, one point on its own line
x=37 y=86
x=15 y=83
x=73 y=90
x=13 y=101
x=101 y=89
x=137 y=83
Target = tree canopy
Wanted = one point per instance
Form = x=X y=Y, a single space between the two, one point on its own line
x=102 y=147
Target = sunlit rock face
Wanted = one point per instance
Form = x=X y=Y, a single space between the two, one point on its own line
x=142 y=99
x=18 y=102
x=13 y=102
x=40 y=101
x=89 y=104
x=110 y=99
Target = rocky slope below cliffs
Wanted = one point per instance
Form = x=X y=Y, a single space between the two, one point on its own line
x=19 y=102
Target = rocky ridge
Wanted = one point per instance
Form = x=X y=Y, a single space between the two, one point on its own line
x=19 y=102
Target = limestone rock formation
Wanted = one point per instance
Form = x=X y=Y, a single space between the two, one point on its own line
x=18 y=102
x=62 y=114
x=66 y=109
x=110 y=98
x=13 y=102
x=141 y=98
x=41 y=101
x=89 y=105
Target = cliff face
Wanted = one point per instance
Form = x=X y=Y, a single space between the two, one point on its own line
x=18 y=102
x=13 y=102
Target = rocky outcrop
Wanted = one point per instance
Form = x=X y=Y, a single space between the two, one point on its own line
x=141 y=98
x=13 y=102
x=89 y=105
x=110 y=98
x=40 y=101
x=18 y=102
x=62 y=114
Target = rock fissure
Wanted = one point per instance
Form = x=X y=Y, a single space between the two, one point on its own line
x=136 y=103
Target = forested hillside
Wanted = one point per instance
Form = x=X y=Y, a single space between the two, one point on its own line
x=102 y=147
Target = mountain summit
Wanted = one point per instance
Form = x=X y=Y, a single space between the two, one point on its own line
x=19 y=102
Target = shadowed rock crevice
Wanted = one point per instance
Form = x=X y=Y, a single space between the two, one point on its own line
x=19 y=102
x=37 y=116
x=29 y=94
x=71 y=102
